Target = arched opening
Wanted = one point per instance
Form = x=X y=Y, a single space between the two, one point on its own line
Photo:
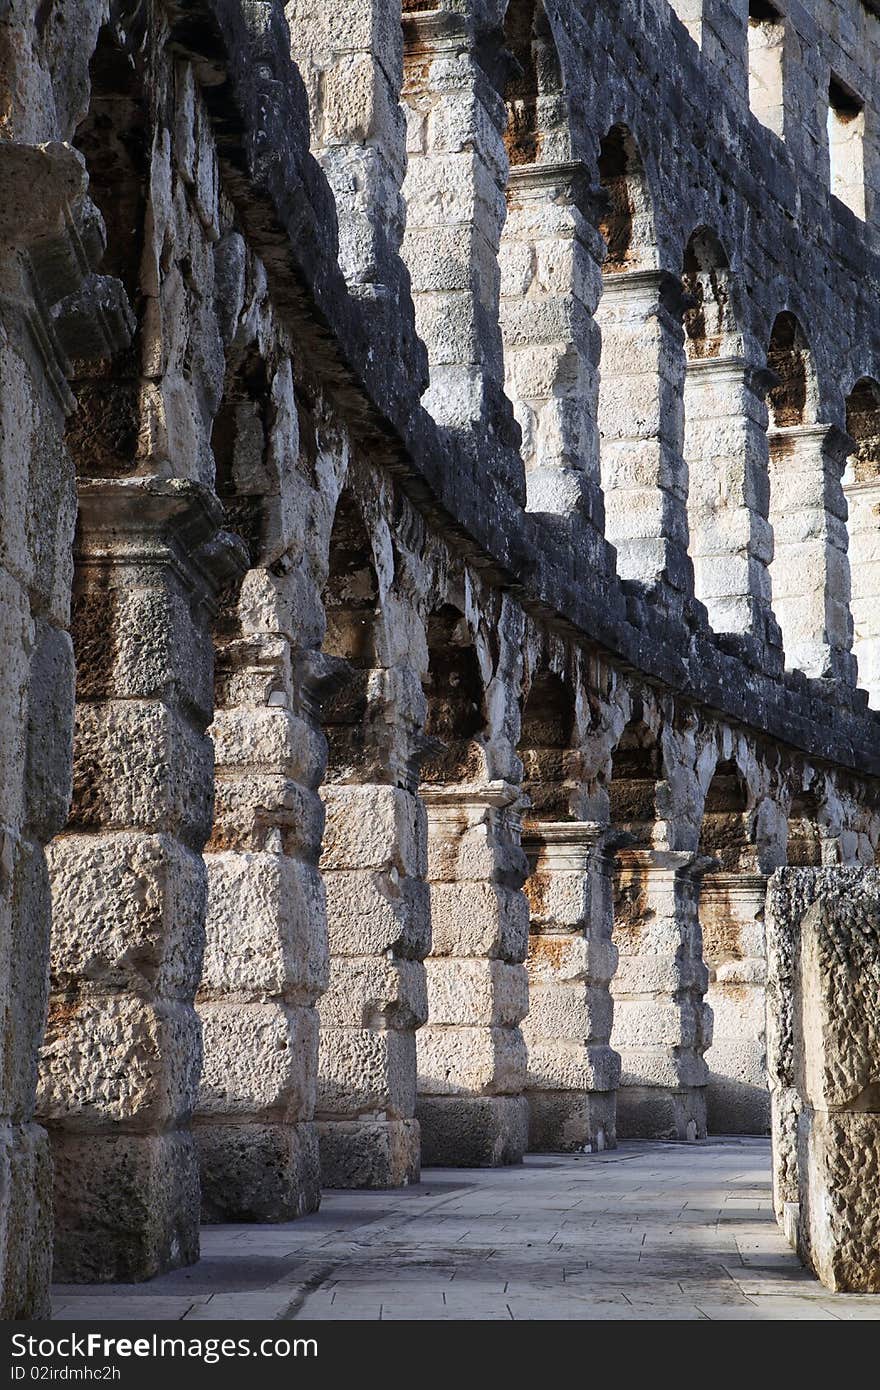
x=572 y=1073
x=659 y=1024
x=471 y=1054
x=732 y=921
x=642 y=470
x=861 y=486
x=533 y=91
x=809 y=570
x=711 y=329
x=372 y=862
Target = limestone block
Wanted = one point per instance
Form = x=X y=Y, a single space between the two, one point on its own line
x=473 y=1131
x=266 y=739
x=479 y=919
x=838 y=1158
x=472 y=1060
x=108 y=1059
x=652 y=1066
x=572 y=1121
x=663 y=1023
x=257 y=1172
x=126 y=1205
x=365 y=1153
x=570 y=1012
x=474 y=992
x=139 y=763
x=370 y=912
x=363 y=1073
x=259 y=1060
x=570 y=959
x=17 y=636
x=128 y=912
x=571 y=1064
x=262 y=811
x=266 y=929
x=375 y=992
x=373 y=827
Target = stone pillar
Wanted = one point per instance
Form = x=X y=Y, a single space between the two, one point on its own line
x=823 y=939
x=471 y=1054
x=641 y=423
x=732 y=922
x=731 y=541
x=52 y=304
x=351 y=59
x=863 y=502
x=551 y=279
x=122 y=1055
x=573 y=1073
x=661 y=1025
x=266 y=949
x=454 y=191
x=373 y=863
x=810 y=572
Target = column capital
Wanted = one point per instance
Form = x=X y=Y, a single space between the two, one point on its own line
x=498 y=796
x=564 y=845
x=831 y=440
x=672 y=863
x=654 y=289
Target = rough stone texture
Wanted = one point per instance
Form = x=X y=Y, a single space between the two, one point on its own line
x=211 y=346
x=826 y=936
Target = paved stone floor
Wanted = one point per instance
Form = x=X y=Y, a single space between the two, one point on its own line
x=648 y=1231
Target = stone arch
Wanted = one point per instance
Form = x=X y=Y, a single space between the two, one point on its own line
x=861 y=486
x=809 y=570
x=471 y=1054
x=732 y=921
x=660 y=1024
x=573 y=1073
x=373 y=866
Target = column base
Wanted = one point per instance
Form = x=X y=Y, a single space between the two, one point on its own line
x=368 y=1153
x=572 y=1121
x=257 y=1172
x=126 y=1206
x=655 y=1112
x=25 y=1222
x=473 y=1131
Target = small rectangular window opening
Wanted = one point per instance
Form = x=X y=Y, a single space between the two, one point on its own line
x=766 y=48
x=846 y=145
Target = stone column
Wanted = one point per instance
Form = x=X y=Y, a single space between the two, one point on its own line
x=551 y=279
x=641 y=423
x=837 y=1075
x=731 y=541
x=661 y=1025
x=122 y=1055
x=373 y=863
x=454 y=192
x=863 y=502
x=266 y=949
x=351 y=60
x=823 y=947
x=573 y=1073
x=471 y=1054
x=732 y=921
x=810 y=572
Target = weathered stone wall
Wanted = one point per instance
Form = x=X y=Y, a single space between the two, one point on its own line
x=375 y=661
